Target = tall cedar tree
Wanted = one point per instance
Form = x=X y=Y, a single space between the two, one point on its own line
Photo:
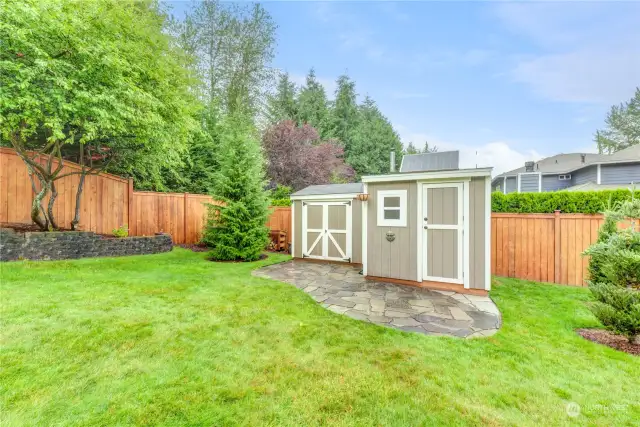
x=282 y=105
x=371 y=141
x=313 y=106
x=235 y=228
x=344 y=114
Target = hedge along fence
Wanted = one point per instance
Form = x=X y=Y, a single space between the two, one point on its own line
x=582 y=202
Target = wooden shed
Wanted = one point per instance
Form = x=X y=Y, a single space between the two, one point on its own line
x=429 y=228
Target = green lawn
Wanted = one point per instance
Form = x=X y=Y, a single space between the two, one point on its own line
x=173 y=339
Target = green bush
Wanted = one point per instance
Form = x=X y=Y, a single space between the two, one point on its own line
x=280 y=202
x=614 y=271
x=586 y=202
x=121 y=232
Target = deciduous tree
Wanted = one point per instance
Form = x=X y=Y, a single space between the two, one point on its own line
x=622 y=127
x=99 y=78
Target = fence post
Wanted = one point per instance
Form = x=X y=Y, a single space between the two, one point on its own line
x=131 y=225
x=556 y=231
x=185 y=221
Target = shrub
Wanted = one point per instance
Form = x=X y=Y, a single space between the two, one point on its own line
x=614 y=271
x=235 y=229
x=280 y=196
x=121 y=232
x=586 y=202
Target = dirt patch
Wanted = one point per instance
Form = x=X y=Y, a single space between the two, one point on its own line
x=263 y=256
x=194 y=247
x=608 y=338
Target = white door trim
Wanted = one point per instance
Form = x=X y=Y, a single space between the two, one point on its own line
x=325 y=234
x=462 y=198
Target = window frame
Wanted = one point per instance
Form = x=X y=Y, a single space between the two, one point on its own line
x=382 y=221
x=564 y=177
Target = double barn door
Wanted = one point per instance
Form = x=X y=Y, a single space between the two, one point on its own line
x=326 y=230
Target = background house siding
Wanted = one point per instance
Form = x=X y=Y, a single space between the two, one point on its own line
x=397 y=259
x=584 y=175
x=620 y=174
x=552 y=183
x=529 y=183
x=477 y=223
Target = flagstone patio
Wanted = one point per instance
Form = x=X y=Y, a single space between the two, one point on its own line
x=342 y=289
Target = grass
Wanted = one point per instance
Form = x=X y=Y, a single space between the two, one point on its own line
x=173 y=339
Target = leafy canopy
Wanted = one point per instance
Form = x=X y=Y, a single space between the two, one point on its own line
x=103 y=73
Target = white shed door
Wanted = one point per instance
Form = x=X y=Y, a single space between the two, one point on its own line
x=326 y=230
x=442 y=236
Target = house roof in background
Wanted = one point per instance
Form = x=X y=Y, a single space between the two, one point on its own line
x=319 y=190
x=445 y=160
x=567 y=163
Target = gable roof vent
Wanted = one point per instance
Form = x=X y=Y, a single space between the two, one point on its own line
x=528 y=166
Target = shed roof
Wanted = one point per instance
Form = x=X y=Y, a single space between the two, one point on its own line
x=319 y=190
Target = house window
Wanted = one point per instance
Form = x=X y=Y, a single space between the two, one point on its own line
x=392 y=208
x=564 y=177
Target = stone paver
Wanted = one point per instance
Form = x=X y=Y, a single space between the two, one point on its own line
x=341 y=289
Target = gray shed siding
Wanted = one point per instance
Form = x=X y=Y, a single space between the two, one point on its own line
x=397 y=259
x=620 y=173
x=512 y=184
x=477 y=222
x=529 y=183
x=584 y=175
x=552 y=183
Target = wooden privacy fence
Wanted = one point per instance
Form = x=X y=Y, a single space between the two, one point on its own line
x=109 y=201
x=543 y=247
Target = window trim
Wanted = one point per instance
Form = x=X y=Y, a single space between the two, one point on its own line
x=564 y=177
x=381 y=195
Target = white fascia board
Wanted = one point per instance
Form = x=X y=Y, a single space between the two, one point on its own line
x=320 y=197
x=420 y=176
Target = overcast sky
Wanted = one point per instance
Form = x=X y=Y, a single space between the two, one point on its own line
x=508 y=81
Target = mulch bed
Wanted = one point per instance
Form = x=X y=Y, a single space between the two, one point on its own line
x=32 y=228
x=608 y=338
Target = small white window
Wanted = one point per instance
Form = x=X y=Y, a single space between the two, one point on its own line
x=564 y=177
x=392 y=208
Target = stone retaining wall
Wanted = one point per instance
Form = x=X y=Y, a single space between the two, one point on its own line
x=75 y=244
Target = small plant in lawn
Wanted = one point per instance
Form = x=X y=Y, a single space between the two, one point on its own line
x=122 y=231
x=614 y=271
x=236 y=228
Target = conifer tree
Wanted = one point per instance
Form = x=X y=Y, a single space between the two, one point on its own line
x=313 y=106
x=283 y=105
x=235 y=228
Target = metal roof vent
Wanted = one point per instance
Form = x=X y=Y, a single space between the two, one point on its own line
x=528 y=166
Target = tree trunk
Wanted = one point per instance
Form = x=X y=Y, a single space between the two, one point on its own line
x=76 y=216
x=52 y=199
x=36 y=208
x=635 y=339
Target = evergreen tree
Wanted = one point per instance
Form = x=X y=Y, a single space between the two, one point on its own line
x=372 y=140
x=411 y=149
x=235 y=228
x=623 y=127
x=283 y=105
x=313 y=106
x=344 y=114
x=429 y=149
